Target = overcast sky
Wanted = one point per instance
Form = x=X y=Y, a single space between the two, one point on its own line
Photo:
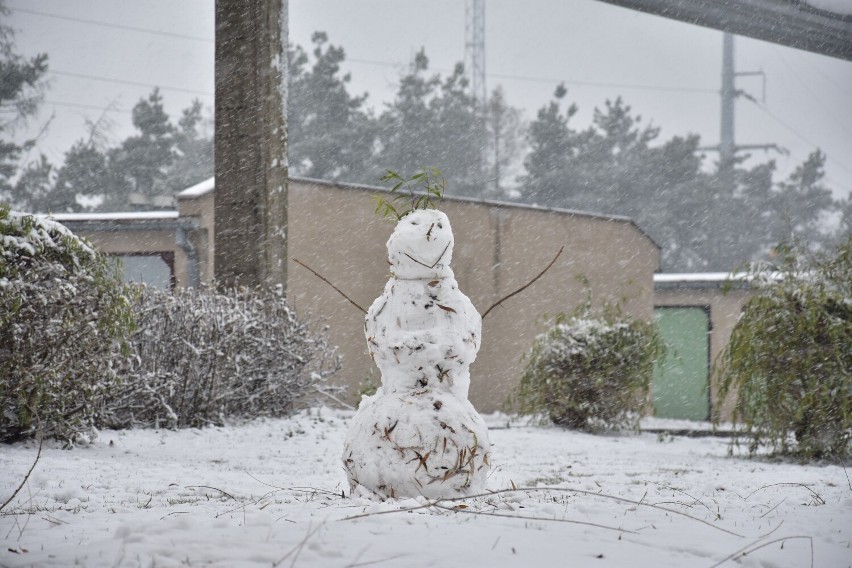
x=108 y=53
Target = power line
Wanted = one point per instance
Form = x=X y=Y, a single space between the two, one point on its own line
x=828 y=112
x=83 y=106
x=799 y=136
x=112 y=25
x=126 y=82
x=364 y=61
x=604 y=84
x=554 y=81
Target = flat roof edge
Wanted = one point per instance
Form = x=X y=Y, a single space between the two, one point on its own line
x=492 y=203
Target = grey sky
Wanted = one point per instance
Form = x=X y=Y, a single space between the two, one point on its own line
x=667 y=71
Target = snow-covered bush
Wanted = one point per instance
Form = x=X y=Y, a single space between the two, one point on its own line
x=590 y=371
x=64 y=318
x=200 y=356
x=790 y=355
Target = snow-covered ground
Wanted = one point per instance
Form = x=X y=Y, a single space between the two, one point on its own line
x=270 y=494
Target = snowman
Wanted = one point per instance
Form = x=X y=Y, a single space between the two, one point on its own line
x=419 y=434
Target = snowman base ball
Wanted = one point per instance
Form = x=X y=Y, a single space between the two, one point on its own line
x=416 y=444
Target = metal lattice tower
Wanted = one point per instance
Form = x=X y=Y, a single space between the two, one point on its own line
x=474 y=51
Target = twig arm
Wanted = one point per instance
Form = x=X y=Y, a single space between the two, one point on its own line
x=326 y=280
x=525 y=286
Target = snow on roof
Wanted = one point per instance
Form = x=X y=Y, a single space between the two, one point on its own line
x=702 y=280
x=122 y=216
x=199 y=189
x=208 y=185
x=695 y=277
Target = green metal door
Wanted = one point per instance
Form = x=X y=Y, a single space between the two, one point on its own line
x=682 y=381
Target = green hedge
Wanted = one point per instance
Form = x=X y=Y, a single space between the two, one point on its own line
x=590 y=371
x=64 y=319
x=790 y=355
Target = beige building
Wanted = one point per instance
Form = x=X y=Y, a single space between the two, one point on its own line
x=333 y=228
x=499 y=247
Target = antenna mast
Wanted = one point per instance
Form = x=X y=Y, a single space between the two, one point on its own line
x=474 y=52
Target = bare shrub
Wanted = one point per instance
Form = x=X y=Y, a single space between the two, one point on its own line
x=200 y=356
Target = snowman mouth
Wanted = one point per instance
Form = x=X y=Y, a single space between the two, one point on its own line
x=434 y=264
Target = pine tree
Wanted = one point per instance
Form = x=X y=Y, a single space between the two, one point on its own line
x=141 y=162
x=85 y=172
x=34 y=186
x=21 y=84
x=503 y=127
x=434 y=122
x=193 y=151
x=552 y=143
x=331 y=135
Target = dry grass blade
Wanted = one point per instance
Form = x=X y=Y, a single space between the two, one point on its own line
x=746 y=550
x=530 y=518
x=388 y=512
x=225 y=493
x=297 y=550
x=817 y=496
x=372 y=562
x=602 y=496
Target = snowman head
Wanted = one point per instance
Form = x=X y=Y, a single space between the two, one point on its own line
x=421 y=246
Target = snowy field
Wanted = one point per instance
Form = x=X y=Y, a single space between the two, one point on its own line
x=270 y=494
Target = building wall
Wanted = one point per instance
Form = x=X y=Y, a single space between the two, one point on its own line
x=139 y=240
x=725 y=309
x=202 y=208
x=498 y=249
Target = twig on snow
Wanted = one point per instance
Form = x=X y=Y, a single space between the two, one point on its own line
x=593 y=494
x=746 y=550
x=525 y=286
x=327 y=281
x=372 y=562
x=773 y=508
x=27 y=476
x=529 y=518
x=817 y=497
x=225 y=493
x=297 y=550
x=334 y=398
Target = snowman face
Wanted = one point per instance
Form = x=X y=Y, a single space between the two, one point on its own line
x=421 y=245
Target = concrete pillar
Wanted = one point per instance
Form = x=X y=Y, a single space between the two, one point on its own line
x=251 y=142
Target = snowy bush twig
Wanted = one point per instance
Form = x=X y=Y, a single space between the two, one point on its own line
x=201 y=356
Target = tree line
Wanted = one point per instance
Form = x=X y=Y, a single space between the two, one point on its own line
x=616 y=165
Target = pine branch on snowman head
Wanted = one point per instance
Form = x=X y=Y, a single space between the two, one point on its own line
x=422 y=190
